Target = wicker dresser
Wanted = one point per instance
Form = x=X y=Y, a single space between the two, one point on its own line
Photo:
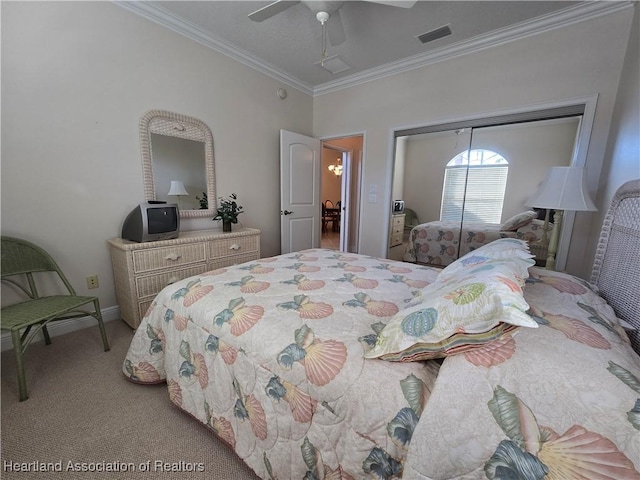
x=396 y=234
x=141 y=270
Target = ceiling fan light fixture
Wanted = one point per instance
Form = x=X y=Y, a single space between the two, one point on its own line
x=322 y=11
x=322 y=17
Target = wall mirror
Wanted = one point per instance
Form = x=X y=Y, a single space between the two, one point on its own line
x=177 y=162
x=461 y=181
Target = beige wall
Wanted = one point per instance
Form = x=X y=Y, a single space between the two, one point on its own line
x=580 y=60
x=76 y=78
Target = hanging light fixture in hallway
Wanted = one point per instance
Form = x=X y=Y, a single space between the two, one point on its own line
x=337 y=168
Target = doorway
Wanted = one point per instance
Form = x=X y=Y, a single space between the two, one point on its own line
x=340 y=192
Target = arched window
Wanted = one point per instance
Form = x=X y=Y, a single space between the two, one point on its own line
x=485 y=185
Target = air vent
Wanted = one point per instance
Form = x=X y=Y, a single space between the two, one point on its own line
x=334 y=64
x=434 y=34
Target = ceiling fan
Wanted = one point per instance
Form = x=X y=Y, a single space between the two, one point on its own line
x=323 y=11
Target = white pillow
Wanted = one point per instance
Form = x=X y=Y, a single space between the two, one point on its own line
x=501 y=249
x=519 y=220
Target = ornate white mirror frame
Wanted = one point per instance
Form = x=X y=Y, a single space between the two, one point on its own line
x=161 y=122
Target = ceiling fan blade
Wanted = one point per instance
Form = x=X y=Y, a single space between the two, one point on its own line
x=394 y=3
x=335 y=29
x=271 y=10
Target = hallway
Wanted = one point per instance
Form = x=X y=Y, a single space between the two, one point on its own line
x=330 y=240
x=342 y=164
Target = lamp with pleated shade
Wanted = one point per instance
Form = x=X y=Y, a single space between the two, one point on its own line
x=564 y=188
x=177 y=189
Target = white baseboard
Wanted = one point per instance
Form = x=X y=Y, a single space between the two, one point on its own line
x=65 y=326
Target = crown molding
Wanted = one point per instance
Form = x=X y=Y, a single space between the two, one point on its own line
x=569 y=16
x=173 y=22
x=552 y=21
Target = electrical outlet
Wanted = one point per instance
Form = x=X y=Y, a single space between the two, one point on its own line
x=92 y=281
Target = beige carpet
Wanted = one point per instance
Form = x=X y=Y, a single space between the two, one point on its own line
x=81 y=409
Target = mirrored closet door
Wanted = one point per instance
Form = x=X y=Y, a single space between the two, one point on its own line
x=462 y=182
x=420 y=178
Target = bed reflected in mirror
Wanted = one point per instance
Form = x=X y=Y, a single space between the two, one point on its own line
x=419 y=180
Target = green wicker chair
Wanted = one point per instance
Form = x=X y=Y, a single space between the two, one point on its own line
x=410 y=219
x=22 y=259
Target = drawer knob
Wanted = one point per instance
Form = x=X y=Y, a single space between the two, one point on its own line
x=172 y=256
x=234 y=246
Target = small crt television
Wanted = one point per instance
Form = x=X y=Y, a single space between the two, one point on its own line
x=152 y=221
x=397 y=206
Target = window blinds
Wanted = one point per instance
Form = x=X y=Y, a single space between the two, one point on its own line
x=483 y=199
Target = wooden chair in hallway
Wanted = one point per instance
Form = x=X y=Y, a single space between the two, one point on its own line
x=23 y=262
x=325 y=218
x=332 y=214
x=338 y=216
x=327 y=215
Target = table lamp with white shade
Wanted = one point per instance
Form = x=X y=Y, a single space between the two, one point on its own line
x=177 y=189
x=564 y=188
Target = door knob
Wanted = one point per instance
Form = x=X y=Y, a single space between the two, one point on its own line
x=286 y=212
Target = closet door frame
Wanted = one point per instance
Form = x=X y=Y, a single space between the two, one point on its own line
x=583 y=106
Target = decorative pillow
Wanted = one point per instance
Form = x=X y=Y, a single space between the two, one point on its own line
x=462 y=308
x=492 y=255
x=454 y=345
x=533 y=232
x=519 y=220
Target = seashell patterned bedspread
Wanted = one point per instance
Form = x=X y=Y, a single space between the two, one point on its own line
x=269 y=355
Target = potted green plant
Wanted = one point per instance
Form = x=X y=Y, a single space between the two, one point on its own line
x=204 y=201
x=228 y=211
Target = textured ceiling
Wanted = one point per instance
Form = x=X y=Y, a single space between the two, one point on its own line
x=377 y=36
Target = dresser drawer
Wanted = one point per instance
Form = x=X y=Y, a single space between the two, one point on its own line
x=226 y=247
x=142 y=308
x=397 y=220
x=152 y=259
x=150 y=285
x=227 y=261
x=397 y=230
x=395 y=240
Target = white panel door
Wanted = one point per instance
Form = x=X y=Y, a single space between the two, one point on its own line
x=300 y=210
